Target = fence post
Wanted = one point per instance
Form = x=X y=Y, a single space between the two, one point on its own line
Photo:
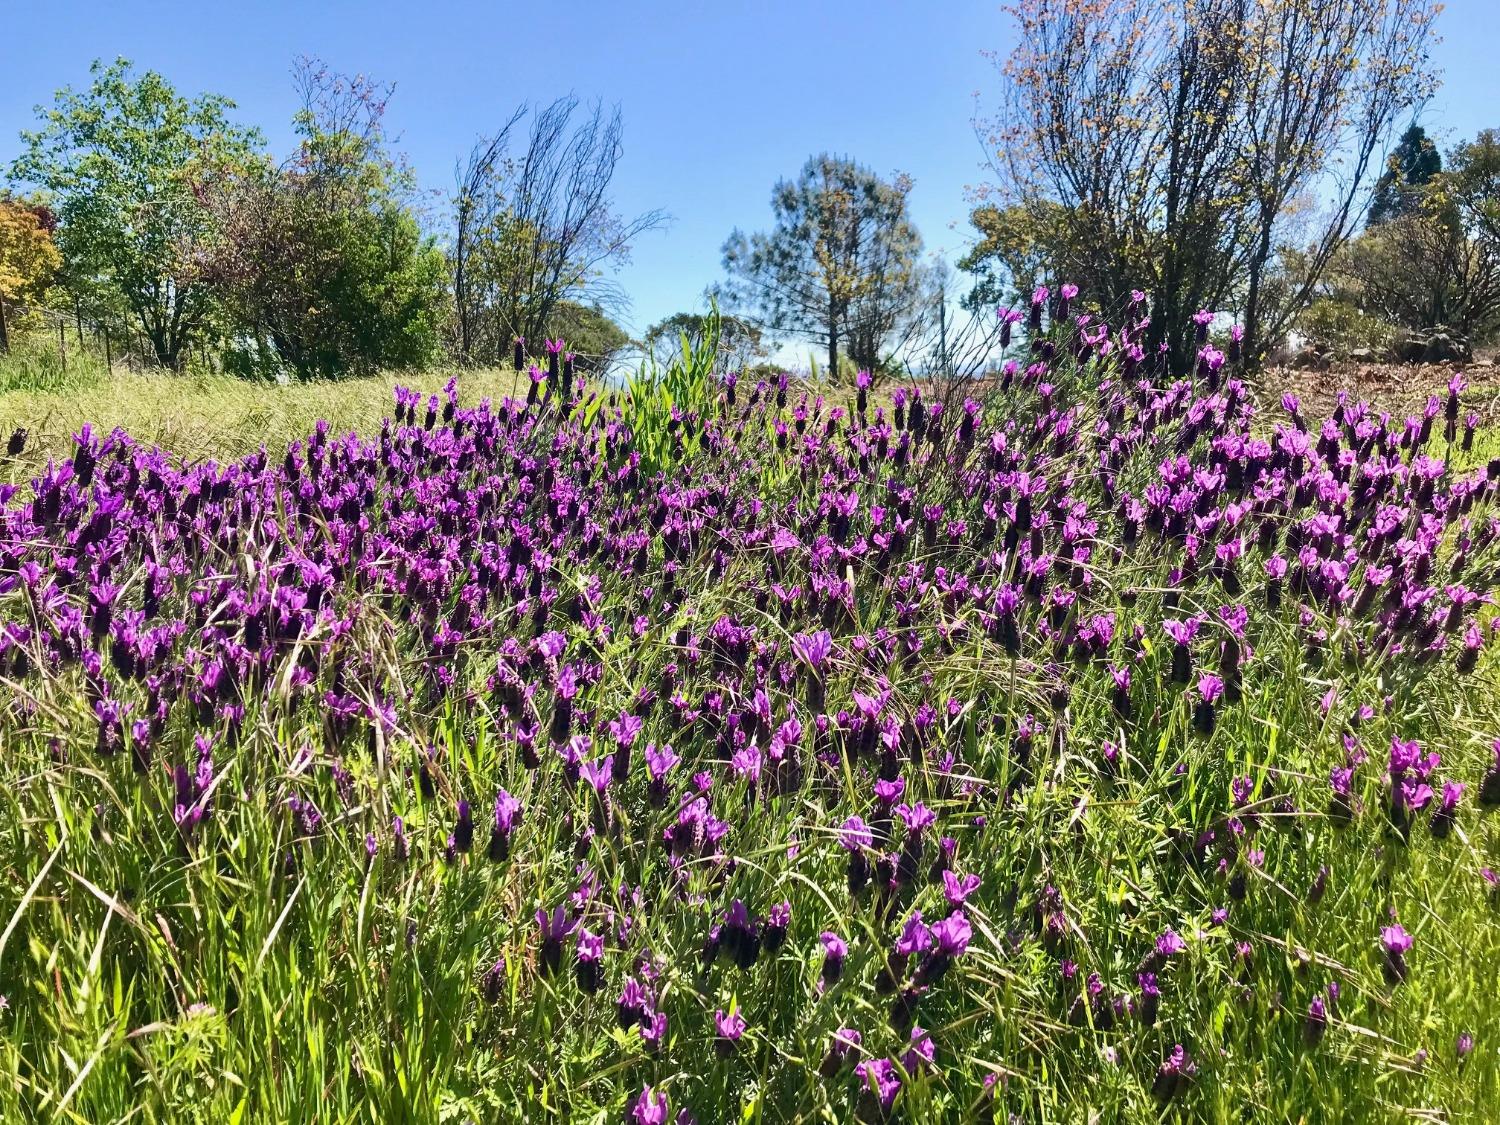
x=62 y=344
x=109 y=363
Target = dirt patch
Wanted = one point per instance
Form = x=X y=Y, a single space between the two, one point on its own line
x=1399 y=388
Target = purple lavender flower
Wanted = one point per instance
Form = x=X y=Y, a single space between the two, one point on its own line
x=1396 y=943
x=881 y=1083
x=1316 y=1022
x=834 y=953
x=633 y=1005
x=846 y=1042
x=589 y=968
x=651 y=1108
x=507 y=816
x=555 y=929
x=1174 y=1074
x=729 y=1027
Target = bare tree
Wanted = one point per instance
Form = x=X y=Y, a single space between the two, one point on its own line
x=1177 y=139
x=539 y=228
x=477 y=209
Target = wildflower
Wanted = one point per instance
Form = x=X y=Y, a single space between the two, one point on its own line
x=846 y=1041
x=881 y=1083
x=1150 y=1002
x=463 y=831
x=1446 y=814
x=729 y=1027
x=834 y=952
x=1174 y=1074
x=921 y=1053
x=1210 y=690
x=493 y=983
x=1317 y=1020
x=654 y=1030
x=773 y=936
x=554 y=929
x=651 y=1108
x=957 y=889
x=1489 y=788
x=950 y=939
x=1169 y=944
x=915 y=937
x=1396 y=943
x=633 y=1005
x=589 y=969
x=507 y=816
x=740 y=935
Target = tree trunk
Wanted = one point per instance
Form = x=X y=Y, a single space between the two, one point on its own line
x=4 y=334
x=833 y=346
x=1253 y=346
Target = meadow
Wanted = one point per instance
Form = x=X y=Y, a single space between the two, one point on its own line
x=1106 y=746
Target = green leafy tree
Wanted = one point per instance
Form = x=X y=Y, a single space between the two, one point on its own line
x=1017 y=248
x=1436 y=264
x=839 y=267
x=321 y=261
x=1411 y=166
x=595 y=340
x=121 y=164
x=740 y=342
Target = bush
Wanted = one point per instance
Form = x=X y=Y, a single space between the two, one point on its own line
x=1338 y=327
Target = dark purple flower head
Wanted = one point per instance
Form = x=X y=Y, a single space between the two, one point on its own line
x=651 y=1108
x=922 y=1052
x=1169 y=944
x=729 y=1027
x=956 y=889
x=855 y=835
x=1175 y=1072
x=813 y=649
x=463 y=831
x=916 y=936
x=1317 y=1020
x=952 y=934
x=881 y=1080
x=1395 y=939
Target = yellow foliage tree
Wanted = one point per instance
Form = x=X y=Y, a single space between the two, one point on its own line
x=28 y=257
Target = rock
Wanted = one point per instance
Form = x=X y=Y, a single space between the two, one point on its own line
x=1434 y=345
x=1362 y=355
x=1312 y=359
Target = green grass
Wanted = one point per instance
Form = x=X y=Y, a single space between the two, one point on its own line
x=205 y=415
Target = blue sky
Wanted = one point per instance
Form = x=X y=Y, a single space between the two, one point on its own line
x=720 y=99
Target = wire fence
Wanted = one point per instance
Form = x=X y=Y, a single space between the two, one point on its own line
x=70 y=336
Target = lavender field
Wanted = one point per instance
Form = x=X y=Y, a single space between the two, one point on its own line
x=1103 y=746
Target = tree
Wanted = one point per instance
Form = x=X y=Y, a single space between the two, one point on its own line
x=321 y=259
x=595 y=340
x=1018 y=248
x=1182 y=142
x=1436 y=263
x=119 y=163
x=538 y=228
x=840 y=264
x=740 y=342
x=28 y=256
x=1410 y=166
